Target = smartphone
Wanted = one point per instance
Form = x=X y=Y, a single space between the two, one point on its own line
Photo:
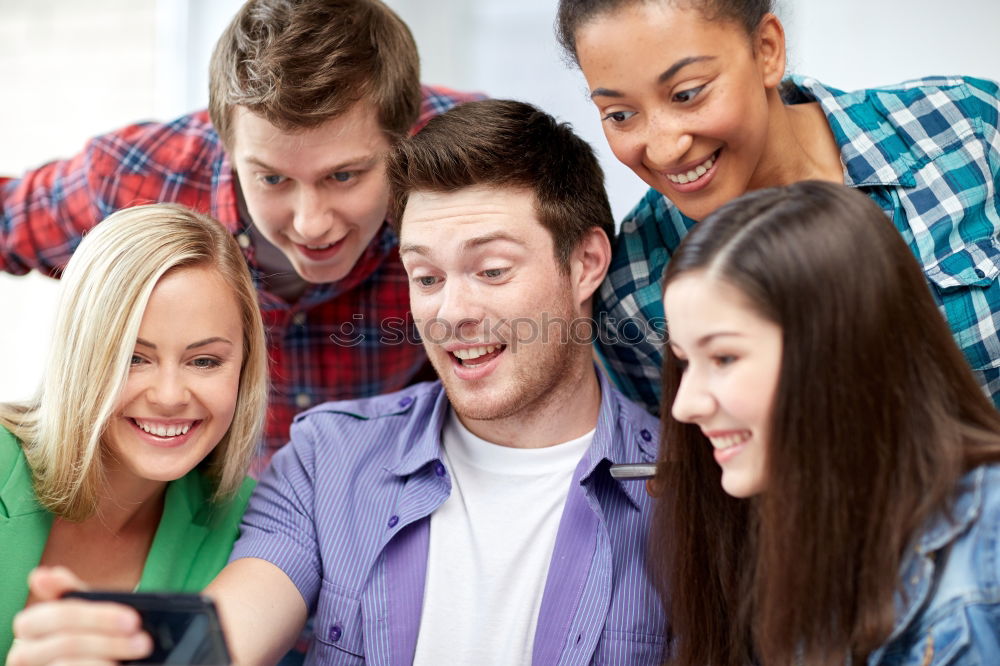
x=636 y=471
x=185 y=627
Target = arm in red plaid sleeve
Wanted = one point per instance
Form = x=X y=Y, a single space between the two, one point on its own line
x=45 y=212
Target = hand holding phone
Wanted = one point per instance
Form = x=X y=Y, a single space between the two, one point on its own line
x=185 y=628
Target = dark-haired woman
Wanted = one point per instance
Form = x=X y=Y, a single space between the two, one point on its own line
x=692 y=98
x=831 y=492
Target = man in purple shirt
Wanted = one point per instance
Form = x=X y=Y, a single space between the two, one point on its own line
x=473 y=519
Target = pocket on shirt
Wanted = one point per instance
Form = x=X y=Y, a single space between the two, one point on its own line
x=967 y=288
x=626 y=647
x=339 y=629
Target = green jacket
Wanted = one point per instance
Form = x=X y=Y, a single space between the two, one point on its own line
x=191 y=545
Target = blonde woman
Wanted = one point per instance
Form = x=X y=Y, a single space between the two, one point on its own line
x=129 y=466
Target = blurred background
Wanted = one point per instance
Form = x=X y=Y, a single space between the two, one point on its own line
x=75 y=68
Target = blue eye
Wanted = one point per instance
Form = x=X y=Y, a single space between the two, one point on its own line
x=273 y=179
x=342 y=176
x=206 y=363
x=136 y=360
x=426 y=280
x=494 y=273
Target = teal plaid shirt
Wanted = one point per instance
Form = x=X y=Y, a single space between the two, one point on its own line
x=926 y=151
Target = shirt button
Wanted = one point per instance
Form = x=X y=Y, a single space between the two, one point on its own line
x=406 y=402
x=335 y=633
x=393 y=520
x=439 y=469
x=303 y=400
x=243 y=240
x=299 y=318
x=645 y=434
x=980 y=273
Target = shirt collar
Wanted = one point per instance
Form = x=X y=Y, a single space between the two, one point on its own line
x=618 y=438
x=872 y=151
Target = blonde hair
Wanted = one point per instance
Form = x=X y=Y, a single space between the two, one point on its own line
x=104 y=292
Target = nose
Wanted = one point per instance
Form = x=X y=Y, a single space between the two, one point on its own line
x=668 y=140
x=461 y=310
x=313 y=218
x=693 y=402
x=168 y=390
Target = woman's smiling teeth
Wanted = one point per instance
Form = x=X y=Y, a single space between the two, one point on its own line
x=161 y=430
x=729 y=441
x=694 y=174
x=319 y=247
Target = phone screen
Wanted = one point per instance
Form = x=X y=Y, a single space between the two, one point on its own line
x=185 y=628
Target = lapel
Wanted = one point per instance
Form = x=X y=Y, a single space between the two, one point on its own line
x=24 y=529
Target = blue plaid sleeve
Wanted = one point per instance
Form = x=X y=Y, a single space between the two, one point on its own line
x=629 y=308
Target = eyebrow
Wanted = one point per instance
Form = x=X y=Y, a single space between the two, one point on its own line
x=666 y=75
x=193 y=345
x=346 y=165
x=705 y=339
x=470 y=244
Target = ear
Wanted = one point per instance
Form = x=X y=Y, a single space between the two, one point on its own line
x=589 y=264
x=769 y=46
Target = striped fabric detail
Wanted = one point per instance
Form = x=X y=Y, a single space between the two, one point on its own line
x=344 y=512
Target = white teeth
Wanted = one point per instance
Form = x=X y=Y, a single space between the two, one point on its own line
x=729 y=441
x=319 y=247
x=164 y=430
x=475 y=352
x=694 y=174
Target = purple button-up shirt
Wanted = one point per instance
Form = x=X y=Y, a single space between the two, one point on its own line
x=344 y=510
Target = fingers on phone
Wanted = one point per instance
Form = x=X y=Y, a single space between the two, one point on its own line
x=79 y=649
x=76 y=616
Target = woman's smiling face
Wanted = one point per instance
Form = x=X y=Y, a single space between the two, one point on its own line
x=683 y=99
x=732 y=361
x=181 y=393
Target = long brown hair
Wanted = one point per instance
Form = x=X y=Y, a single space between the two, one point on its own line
x=875 y=418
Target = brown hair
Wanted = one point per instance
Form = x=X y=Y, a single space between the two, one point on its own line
x=508 y=144
x=875 y=417
x=573 y=14
x=299 y=63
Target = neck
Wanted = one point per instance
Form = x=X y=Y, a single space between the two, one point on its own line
x=129 y=503
x=560 y=415
x=800 y=146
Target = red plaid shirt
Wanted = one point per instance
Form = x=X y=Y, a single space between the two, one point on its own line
x=341 y=340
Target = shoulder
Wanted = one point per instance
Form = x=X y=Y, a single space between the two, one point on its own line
x=346 y=426
x=934 y=107
x=11 y=452
x=406 y=402
x=435 y=100
x=181 y=145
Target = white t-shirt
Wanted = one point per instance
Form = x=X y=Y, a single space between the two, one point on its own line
x=490 y=546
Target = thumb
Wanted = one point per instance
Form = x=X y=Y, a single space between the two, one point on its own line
x=50 y=583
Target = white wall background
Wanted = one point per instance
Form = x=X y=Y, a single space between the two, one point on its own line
x=72 y=68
